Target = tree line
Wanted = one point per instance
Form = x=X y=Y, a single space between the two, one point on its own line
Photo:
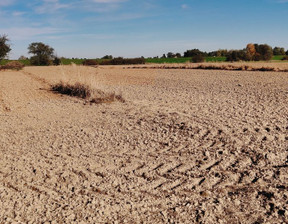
x=43 y=54
x=252 y=52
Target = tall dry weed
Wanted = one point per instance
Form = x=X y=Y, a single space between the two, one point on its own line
x=80 y=82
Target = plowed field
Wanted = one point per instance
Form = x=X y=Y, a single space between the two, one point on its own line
x=187 y=146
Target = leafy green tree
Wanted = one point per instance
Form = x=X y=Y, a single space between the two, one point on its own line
x=4 y=47
x=107 y=57
x=278 y=51
x=236 y=55
x=265 y=51
x=178 y=55
x=193 y=52
x=43 y=54
x=170 y=55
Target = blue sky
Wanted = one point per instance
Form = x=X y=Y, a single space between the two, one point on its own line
x=131 y=28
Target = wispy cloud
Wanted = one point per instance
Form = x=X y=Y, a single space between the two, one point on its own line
x=26 y=33
x=18 y=13
x=108 y=1
x=6 y=2
x=101 y=6
x=184 y=6
x=119 y=17
x=50 y=6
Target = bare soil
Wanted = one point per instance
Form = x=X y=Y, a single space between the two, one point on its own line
x=187 y=146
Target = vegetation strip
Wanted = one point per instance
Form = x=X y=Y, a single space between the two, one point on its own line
x=213 y=67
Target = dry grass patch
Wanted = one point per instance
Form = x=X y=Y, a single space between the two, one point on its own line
x=84 y=91
x=82 y=82
x=78 y=89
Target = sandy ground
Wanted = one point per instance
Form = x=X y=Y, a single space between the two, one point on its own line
x=187 y=146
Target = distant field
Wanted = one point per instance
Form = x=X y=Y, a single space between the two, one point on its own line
x=76 y=61
x=277 y=57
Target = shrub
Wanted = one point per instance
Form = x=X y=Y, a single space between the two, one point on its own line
x=285 y=58
x=198 y=58
x=90 y=62
x=56 y=61
x=124 y=61
x=14 y=65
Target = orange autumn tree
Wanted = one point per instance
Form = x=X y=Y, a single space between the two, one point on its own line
x=250 y=51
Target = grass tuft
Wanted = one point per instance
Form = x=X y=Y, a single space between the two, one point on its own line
x=86 y=92
x=78 y=89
